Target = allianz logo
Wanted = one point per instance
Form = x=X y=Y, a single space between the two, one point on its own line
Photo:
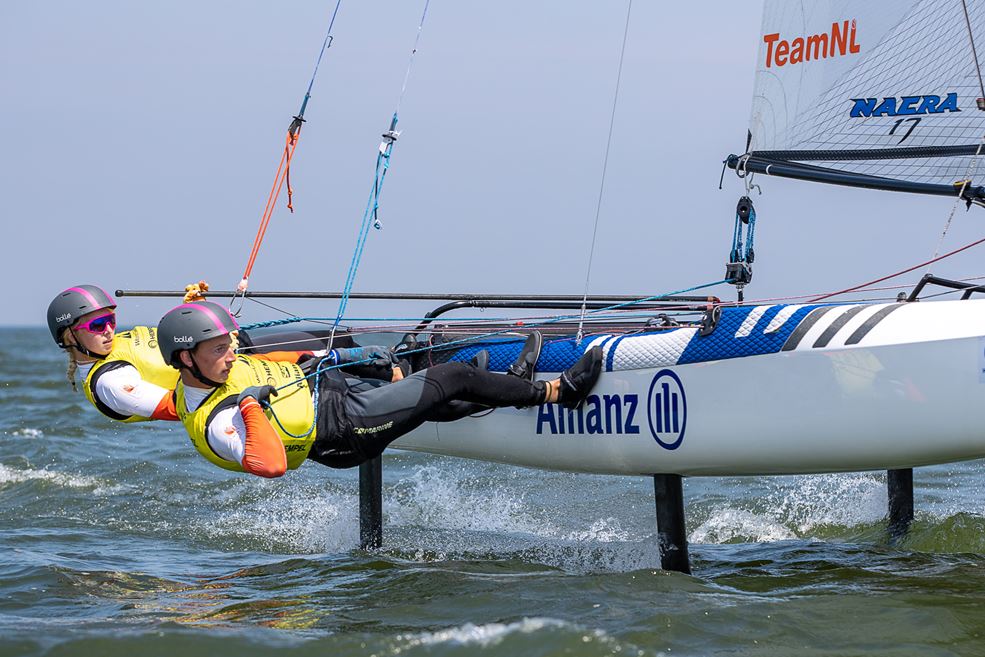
x=62 y=318
x=663 y=411
x=607 y=414
x=181 y=339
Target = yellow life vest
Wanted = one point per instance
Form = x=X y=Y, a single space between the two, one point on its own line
x=293 y=406
x=137 y=347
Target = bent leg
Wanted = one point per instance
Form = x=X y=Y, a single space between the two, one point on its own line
x=455 y=410
x=464 y=382
x=379 y=416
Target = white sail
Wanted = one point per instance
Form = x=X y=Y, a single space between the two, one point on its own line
x=885 y=89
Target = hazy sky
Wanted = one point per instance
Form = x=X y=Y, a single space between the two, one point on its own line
x=140 y=139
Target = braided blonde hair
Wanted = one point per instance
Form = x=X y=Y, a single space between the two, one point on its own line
x=72 y=367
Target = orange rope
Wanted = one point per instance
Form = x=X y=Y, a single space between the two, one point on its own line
x=287 y=178
x=282 y=175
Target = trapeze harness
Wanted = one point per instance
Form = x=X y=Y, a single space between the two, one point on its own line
x=137 y=349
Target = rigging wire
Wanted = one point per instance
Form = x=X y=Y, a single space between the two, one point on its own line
x=283 y=174
x=973 y=165
x=969 y=173
x=465 y=326
x=382 y=166
x=553 y=320
x=605 y=165
x=900 y=273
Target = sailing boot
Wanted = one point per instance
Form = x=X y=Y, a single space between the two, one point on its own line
x=525 y=364
x=481 y=360
x=579 y=379
x=406 y=368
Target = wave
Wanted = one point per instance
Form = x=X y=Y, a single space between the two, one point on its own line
x=528 y=636
x=519 y=636
x=285 y=516
x=788 y=508
x=27 y=432
x=9 y=476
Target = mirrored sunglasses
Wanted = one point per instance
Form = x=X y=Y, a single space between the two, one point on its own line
x=97 y=325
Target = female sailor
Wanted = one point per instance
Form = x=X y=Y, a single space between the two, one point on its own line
x=123 y=374
x=323 y=415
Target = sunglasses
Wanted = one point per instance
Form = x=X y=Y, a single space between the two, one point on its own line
x=98 y=324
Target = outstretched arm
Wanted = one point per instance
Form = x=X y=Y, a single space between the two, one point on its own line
x=363 y=362
x=288 y=356
x=373 y=362
x=124 y=391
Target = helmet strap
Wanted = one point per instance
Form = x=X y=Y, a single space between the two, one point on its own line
x=80 y=348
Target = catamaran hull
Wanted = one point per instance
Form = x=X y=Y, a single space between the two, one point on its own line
x=803 y=410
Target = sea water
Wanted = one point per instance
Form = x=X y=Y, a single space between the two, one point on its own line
x=121 y=540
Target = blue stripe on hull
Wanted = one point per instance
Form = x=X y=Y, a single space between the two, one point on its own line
x=722 y=343
x=560 y=354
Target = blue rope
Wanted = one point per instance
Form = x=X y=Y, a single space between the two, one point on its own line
x=750 y=234
x=372 y=206
x=742 y=239
x=382 y=166
x=736 y=252
x=276 y=322
x=314 y=398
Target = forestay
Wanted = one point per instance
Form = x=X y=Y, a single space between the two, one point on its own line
x=874 y=94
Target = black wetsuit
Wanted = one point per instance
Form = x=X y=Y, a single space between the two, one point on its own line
x=358 y=418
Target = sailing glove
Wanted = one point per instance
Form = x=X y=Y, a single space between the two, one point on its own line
x=371 y=355
x=259 y=393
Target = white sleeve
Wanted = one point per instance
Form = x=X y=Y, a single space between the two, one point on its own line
x=227 y=434
x=126 y=393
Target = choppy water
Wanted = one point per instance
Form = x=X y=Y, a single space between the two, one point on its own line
x=120 y=540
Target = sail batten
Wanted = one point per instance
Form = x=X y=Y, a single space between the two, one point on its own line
x=879 y=90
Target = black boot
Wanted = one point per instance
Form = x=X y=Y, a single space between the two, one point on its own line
x=525 y=364
x=579 y=379
x=481 y=360
x=405 y=367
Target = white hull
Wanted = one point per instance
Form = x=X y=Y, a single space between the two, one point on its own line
x=898 y=398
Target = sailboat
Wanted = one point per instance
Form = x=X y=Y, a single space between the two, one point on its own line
x=870 y=94
x=878 y=95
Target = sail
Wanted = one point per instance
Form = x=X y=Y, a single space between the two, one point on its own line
x=872 y=93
